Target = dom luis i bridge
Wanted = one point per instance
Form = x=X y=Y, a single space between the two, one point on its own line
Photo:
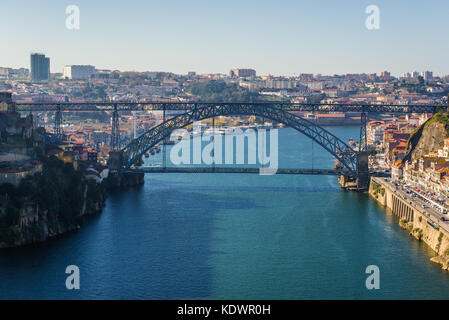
x=354 y=163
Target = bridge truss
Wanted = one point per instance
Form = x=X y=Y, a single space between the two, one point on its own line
x=277 y=111
x=339 y=149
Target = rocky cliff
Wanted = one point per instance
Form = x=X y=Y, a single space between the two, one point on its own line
x=47 y=204
x=429 y=137
x=125 y=180
x=53 y=202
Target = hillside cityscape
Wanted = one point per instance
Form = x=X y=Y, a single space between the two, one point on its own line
x=81 y=83
x=53 y=174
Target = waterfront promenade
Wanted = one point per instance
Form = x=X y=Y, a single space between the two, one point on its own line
x=423 y=223
x=406 y=195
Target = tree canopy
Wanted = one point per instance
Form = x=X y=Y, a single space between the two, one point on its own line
x=220 y=91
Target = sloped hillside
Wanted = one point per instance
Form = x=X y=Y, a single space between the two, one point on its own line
x=428 y=137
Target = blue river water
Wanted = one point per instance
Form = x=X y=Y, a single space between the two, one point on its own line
x=232 y=236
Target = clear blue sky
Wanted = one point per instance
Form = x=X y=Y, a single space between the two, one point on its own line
x=209 y=36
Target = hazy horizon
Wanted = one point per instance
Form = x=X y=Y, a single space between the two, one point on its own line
x=282 y=38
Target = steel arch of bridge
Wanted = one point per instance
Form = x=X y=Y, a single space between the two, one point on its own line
x=339 y=149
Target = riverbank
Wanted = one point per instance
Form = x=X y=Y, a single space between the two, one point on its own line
x=420 y=224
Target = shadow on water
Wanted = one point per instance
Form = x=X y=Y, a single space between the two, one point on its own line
x=147 y=244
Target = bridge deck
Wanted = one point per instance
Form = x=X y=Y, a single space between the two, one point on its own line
x=233 y=170
x=185 y=106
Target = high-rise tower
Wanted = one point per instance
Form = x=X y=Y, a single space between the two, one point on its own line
x=40 y=67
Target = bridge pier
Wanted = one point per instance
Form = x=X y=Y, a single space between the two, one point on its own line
x=58 y=123
x=115 y=132
x=362 y=170
x=362 y=180
x=115 y=161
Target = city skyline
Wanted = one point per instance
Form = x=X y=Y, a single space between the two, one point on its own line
x=285 y=38
x=408 y=73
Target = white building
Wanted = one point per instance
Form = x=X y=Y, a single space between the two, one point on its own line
x=280 y=83
x=315 y=85
x=397 y=171
x=375 y=134
x=435 y=90
x=78 y=72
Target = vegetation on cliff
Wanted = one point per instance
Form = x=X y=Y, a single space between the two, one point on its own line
x=377 y=189
x=417 y=233
x=439 y=117
x=414 y=137
x=47 y=203
x=440 y=237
